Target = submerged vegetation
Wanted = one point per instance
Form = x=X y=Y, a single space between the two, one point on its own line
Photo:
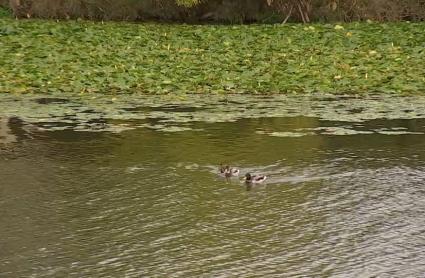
x=314 y=114
x=84 y=57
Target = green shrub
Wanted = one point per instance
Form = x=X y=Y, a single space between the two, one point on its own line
x=5 y=12
x=224 y=10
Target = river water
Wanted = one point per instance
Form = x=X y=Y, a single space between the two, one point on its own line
x=127 y=186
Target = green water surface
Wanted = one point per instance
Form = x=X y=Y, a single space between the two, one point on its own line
x=129 y=187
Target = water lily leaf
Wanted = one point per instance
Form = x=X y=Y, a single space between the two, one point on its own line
x=158 y=58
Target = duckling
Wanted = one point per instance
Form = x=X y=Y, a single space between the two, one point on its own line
x=250 y=179
x=228 y=172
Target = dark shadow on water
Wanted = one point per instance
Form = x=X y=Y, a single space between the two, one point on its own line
x=165 y=108
x=12 y=130
x=51 y=100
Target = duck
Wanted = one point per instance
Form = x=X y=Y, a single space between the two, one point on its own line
x=228 y=172
x=250 y=179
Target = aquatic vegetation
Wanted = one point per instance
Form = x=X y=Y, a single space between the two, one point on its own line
x=284 y=133
x=339 y=115
x=86 y=57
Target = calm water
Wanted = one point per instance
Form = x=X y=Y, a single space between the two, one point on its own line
x=343 y=198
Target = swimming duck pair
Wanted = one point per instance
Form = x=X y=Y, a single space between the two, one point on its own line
x=228 y=172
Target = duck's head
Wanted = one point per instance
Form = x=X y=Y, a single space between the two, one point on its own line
x=224 y=169
x=248 y=176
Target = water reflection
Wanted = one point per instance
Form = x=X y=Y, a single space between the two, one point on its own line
x=170 y=113
x=7 y=135
x=144 y=203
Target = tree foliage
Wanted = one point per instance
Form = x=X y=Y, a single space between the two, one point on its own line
x=188 y=3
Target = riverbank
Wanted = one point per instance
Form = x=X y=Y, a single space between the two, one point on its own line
x=44 y=56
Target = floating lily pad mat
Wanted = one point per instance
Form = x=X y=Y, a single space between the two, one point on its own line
x=171 y=113
x=81 y=56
